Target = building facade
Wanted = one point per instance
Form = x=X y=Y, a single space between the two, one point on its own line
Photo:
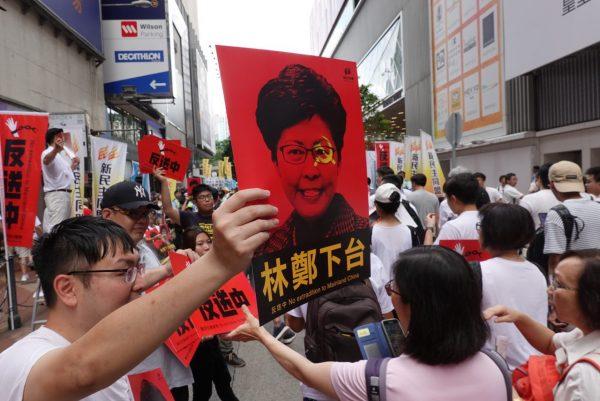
x=523 y=75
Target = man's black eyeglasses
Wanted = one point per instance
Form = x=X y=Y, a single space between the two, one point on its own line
x=129 y=274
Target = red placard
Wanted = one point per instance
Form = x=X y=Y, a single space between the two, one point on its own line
x=382 y=154
x=150 y=386
x=296 y=130
x=222 y=312
x=22 y=146
x=470 y=249
x=167 y=154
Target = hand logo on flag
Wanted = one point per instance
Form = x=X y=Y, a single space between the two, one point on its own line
x=458 y=248
x=161 y=147
x=12 y=126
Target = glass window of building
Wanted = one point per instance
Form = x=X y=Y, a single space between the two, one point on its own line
x=123 y=126
x=382 y=66
x=339 y=29
x=177 y=53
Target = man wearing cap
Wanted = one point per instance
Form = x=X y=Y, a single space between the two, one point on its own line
x=566 y=182
x=128 y=204
x=58 y=163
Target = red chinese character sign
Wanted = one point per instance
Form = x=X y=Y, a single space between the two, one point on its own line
x=166 y=154
x=222 y=312
x=470 y=249
x=22 y=146
x=296 y=129
x=150 y=386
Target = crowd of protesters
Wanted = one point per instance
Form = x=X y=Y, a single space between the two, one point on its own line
x=537 y=294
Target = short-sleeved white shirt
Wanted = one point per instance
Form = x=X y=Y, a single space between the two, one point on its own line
x=446 y=214
x=57 y=174
x=519 y=285
x=462 y=227
x=538 y=204
x=388 y=242
x=16 y=363
x=582 y=383
x=511 y=194
x=494 y=194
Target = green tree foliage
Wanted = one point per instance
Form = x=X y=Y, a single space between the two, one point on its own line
x=377 y=126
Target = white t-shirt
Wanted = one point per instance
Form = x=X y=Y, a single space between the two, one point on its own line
x=378 y=283
x=539 y=203
x=517 y=285
x=388 y=242
x=446 y=214
x=511 y=194
x=57 y=174
x=175 y=373
x=462 y=227
x=16 y=363
x=494 y=194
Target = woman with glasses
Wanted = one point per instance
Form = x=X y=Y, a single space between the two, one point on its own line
x=303 y=122
x=575 y=294
x=437 y=297
x=508 y=279
x=208 y=364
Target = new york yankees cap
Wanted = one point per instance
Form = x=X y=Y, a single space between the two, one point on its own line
x=127 y=195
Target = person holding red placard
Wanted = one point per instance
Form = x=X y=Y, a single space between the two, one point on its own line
x=98 y=327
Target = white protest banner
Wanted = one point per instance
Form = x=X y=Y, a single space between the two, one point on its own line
x=108 y=167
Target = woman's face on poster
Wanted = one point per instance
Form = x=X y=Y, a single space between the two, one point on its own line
x=308 y=166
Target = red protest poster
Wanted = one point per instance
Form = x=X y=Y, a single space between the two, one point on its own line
x=23 y=138
x=167 y=154
x=382 y=154
x=469 y=248
x=222 y=312
x=150 y=386
x=296 y=129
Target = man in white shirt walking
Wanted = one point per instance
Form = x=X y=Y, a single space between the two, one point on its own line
x=58 y=163
x=493 y=193
x=511 y=193
x=539 y=203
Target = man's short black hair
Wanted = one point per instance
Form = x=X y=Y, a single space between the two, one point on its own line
x=393 y=179
x=76 y=244
x=480 y=175
x=51 y=134
x=198 y=189
x=505 y=227
x=501 y=178
x=510 y=175
x=464 y=187
x=595 y=172
x=385 y=170
x=483 y=198
x=543 y=175
x=444 y=294
x=297 y=94
x=419 y=179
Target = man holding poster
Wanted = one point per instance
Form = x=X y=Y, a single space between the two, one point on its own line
x=298 y=123
x=58 y=163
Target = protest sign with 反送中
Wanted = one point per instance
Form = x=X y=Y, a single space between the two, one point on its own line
x=166 y=154
x=296 y=129
x=22 y=146
x=108 y=167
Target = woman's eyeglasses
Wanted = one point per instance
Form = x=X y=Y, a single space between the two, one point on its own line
x=557 y=285
x=389 y=288
x=129 y=274
x=296 y=154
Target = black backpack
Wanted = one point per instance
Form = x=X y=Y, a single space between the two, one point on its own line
x=418 y=232
x=331 y=319
x=535 y=252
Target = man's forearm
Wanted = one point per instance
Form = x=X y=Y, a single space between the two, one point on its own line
x=165 y=196
x=50 y=156
x=133 y=331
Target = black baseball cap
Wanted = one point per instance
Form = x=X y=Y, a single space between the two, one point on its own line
x=127 y=195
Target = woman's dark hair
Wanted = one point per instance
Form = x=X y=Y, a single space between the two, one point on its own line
x=543 y=174
x=505 y=227
x=51 y=134
x=384 y=170
x=588 y=293
x=393 y=179
x=188 y=238
x=76 y=244
x=444 y=295
x=483 y=198
x=297 y=94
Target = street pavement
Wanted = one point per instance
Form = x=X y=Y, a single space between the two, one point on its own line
x=262 y=379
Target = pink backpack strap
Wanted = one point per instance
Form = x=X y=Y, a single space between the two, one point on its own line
x=586 y=359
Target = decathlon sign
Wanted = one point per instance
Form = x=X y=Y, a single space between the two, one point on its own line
x=136 y=44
